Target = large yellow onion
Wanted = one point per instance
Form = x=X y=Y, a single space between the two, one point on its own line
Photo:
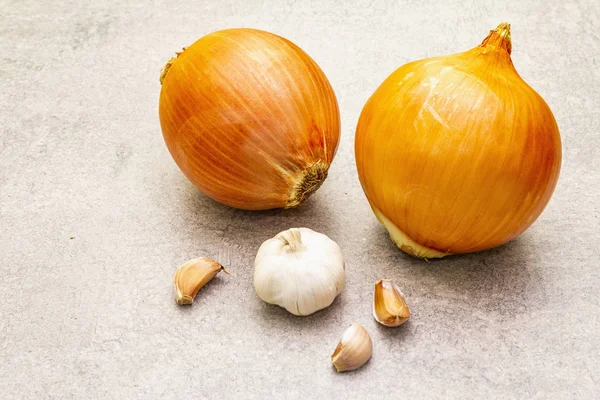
x=458 y=154
x=249 y=118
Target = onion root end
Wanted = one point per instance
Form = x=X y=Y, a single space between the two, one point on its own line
x=405 y=243
x=308 y=181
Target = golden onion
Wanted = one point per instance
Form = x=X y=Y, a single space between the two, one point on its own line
x=458 y=154
x=249 y=118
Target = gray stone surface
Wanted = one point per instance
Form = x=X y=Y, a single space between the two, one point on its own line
x=95 y=216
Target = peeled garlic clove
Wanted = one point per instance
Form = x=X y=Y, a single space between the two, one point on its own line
x=389 y=307
x=354 y=350
x=192 y=275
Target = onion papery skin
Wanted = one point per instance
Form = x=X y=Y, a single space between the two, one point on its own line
x=458 y=154
x=249 y=118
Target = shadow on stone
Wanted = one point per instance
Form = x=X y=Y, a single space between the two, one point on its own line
x=502 y=280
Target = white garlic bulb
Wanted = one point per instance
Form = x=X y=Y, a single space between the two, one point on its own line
x=300 y=270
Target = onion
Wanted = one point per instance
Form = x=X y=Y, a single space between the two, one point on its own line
x=458 y=154
x=249 y=118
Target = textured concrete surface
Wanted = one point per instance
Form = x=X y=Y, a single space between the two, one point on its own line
x=95 y=217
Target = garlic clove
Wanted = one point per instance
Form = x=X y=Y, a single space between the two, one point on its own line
x=389 y=307
x=354 y=350
x=192 y=275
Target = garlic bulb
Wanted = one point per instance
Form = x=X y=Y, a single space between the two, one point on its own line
x=300 y=270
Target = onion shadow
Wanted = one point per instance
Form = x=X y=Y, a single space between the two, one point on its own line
x=506 y=280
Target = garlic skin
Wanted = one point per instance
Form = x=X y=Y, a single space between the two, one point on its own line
x=389 y=307
x=192 y=276
x=300 y=270
x=354 y=350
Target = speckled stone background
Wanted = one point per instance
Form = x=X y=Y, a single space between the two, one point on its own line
x=95 y=217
